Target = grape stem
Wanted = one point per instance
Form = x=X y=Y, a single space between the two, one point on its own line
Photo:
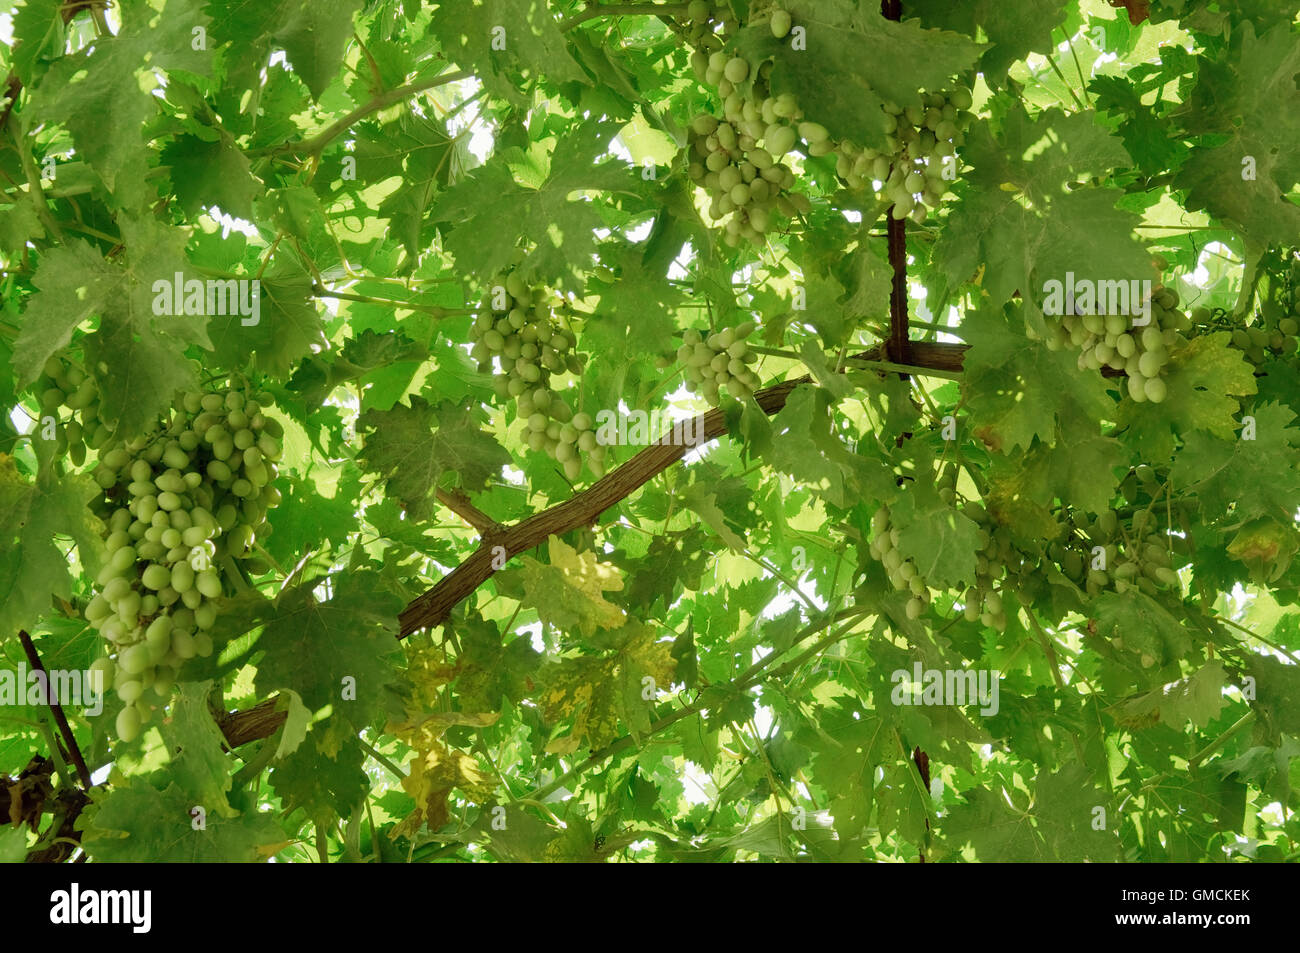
x=60 y=719
x=438 y=312
x=904 y=368
x=316 y=144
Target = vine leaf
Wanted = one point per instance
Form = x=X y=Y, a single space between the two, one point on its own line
x=526 y=38
x=568 y=592
x=804 y=446
x=97 y=91
x=941 y=541
x=1017 y=390
x=533 y=193
x=33 y=567
x=195 y=748
x=412 y=446
x=138 y=823
x=853 y=69
x=1057 y=828
x=1249 y=478
x=1197 y=699
x=314 y=36
x=320 y=648
x=1205 y=379
x=1252 y=99
x=1013 y=30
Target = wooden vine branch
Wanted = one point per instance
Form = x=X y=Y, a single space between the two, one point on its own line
x=897 y=232
x=260 y=721
x=60 y=719
x=434 y=606
x=459 y=504
x=898 y=289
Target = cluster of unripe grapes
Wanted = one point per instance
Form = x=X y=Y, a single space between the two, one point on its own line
x=1258 y=342
x=902 y=571
x=920 y=146
x=983 y=601
x=181 y=505
x=739 y=160
x=64 y=384
x=703 y=17
x=1113 y=341
x=1135 y=558
x=521 y=334
x=719 y=362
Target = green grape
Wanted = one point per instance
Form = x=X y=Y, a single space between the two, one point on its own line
x=128 y=723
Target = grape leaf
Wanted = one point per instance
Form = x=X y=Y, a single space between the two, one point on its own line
x=412 y=446
x=538 y=206
x=288 y=327
x=32 y=565
x=1012 y=30
x=135 y=354
x=1058 y=827
x=567 y=593
x=1018 y=389
x=1205 y=379
x=1251 y=96
x=804 y=447
x=1017 y=219
x=74 y=283
x=313 y=37
x=847 y=71
x=329 y=649
x=97 y=91
x=137 y=823
x=940 y=540
x=321 y=777
x=496 y=36
x=206 y=173
x=1251 y=478
x=196 y=749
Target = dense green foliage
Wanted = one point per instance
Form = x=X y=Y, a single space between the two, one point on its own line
x=491 y=240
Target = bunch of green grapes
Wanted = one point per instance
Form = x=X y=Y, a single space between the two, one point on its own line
x=703 y=17
x=740 y=160
x=719 y=362
x=902 y=572
x=983 y=601
x=63 y=384
x=182 y=505
x=529 y=344
x=1257 y=341
x=911 y=165
x=524 y=338
x=568 y=437
x=748 y=183
x=1112 y=341
x=1135 y=557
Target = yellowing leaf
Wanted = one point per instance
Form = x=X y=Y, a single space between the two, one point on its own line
x=567 y=592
